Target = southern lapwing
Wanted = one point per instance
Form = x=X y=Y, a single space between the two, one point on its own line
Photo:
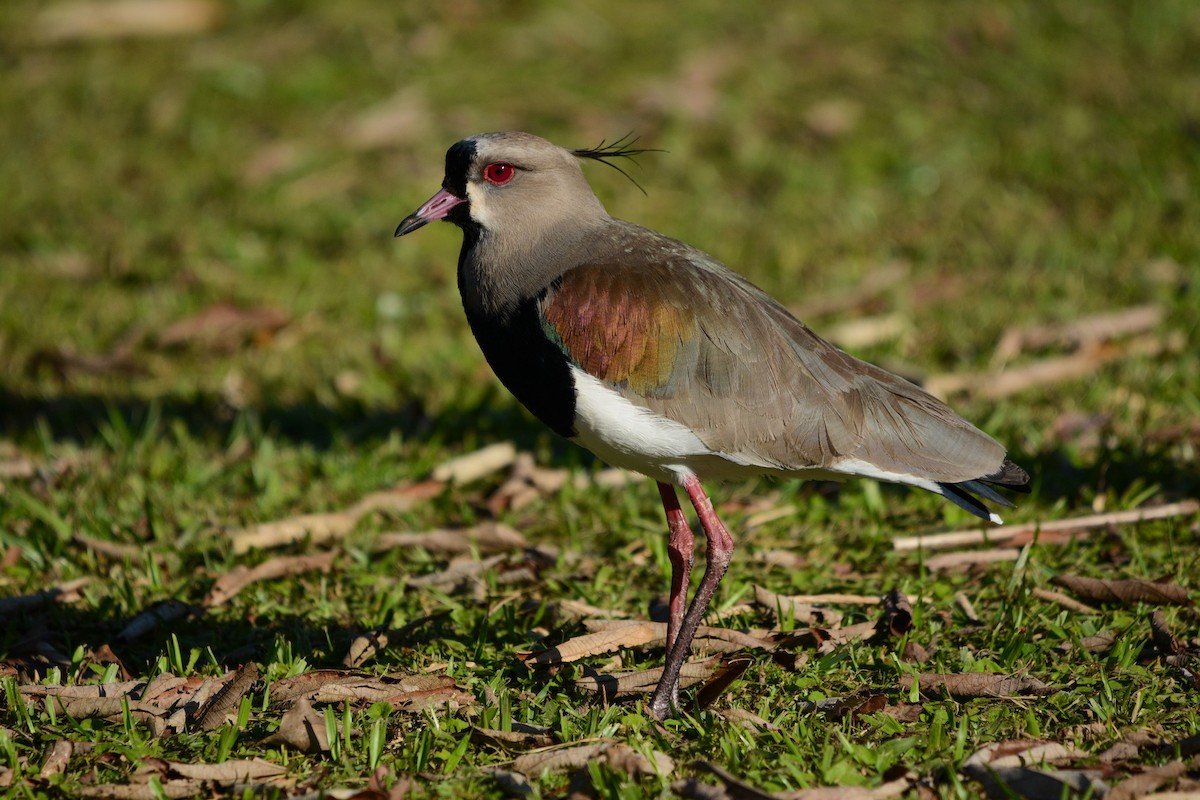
x=659 y=359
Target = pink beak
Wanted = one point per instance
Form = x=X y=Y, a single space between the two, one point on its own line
x=435 y=208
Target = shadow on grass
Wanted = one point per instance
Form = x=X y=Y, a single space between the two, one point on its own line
x=1126 y=470
x=83 y=417
x=41 y=640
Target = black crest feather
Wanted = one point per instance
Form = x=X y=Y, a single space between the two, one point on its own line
x=620 y=148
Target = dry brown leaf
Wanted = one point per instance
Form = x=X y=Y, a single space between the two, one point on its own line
x=897 y=614
x=308 y=684
x=893 y=788
x=1061 y=599
x=1086 y=330
x=617 y=686
x=1187 y=747
x=489 y=537
x=867 y=295
x=855 y=706
x=412 y=693
x=998 y=384
x=560 y=759
x=748 y=719
x=364 y=647
x=733 y=788
x=966 y=685
x=87 y=690
x=623 y=758
x=166 y=688
x=64 y=362
x=476 y=465
x=915 y=653
x=628 y=634
x=227 y=699
x=1147 y=781
x=1040 y=784
x=1125 y=591
x=58 y=755
x=101 y=700
x=526 y=483
x=396 y=121
x=93 y=20
x=521 y=737
x=615 y=754
x=578 y=610
x=726 y=640
x=160 y=612
x=459 y=575
x=608 y=635
x=866 y=631
x=1164 y=641
x=103 y=707
x=961 y=559
x=223 y=328
x=1064 y=530
x=696 y=789
x=226 y=772
x=800 y=609
x=16 y=466
x=1023 y=753
x=904 y=712
x=864 y=332
x=301 y=728
x=115 y=550
x=140 y=791
x=104 y=655
x=693 y=92
x=233 y=582
x=513 y=783
x=1131 y=743
x=967 y=607
x=273 y=160
x=329 y=525
x=729 y=669
x=66 y=592
x=833 y=118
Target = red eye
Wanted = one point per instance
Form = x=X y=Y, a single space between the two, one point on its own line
x=499 y=172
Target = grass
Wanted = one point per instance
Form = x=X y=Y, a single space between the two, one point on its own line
x=1026 y=163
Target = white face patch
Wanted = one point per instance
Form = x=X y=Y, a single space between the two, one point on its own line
x=477 y=197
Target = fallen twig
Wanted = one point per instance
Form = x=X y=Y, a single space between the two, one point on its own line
x=1019 y=535
x=476 y=465
x=1078 y=332
x=1069 y=603
x=997 y=384
x=332 y=524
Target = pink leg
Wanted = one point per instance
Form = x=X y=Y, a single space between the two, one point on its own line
x=719 y=552
x=680 y=547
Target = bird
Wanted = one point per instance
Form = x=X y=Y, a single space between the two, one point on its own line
x=659 y=359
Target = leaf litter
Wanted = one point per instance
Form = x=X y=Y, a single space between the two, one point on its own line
x=174 y=705
x=1125 y=591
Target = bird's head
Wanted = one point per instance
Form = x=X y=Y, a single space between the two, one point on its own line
x=513 y=181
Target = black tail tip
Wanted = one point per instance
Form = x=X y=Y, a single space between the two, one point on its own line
x=1010 y=476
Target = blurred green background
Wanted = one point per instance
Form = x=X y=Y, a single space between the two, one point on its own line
x=1023 y=161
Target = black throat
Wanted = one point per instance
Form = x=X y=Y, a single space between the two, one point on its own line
x=527 y=362
x=512 y=338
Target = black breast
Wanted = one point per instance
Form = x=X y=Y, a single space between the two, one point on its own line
x=529 y=365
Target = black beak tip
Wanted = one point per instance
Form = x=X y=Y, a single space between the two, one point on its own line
x=410 y=224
